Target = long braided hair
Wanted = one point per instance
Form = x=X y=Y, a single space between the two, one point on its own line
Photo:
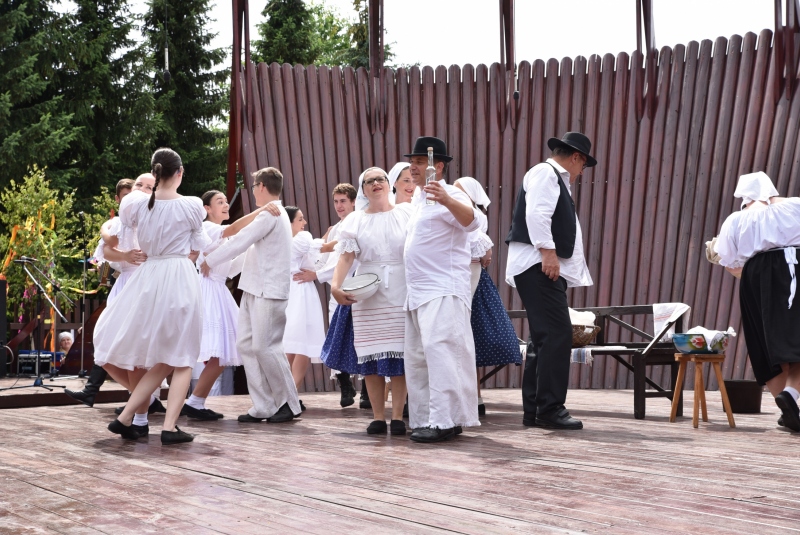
x=164 y=164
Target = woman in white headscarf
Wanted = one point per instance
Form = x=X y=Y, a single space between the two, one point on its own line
x=496 y=341
x=403 y=186
x=758 y=244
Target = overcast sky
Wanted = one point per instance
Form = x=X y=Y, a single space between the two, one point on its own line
x=467 y=31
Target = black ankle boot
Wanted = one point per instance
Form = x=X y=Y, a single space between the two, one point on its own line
x=364 y=403
x=347 y=390
x=86 y=396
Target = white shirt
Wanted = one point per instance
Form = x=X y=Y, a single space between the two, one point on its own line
x=127 y=242
x=759 y=228
x=437 y=251
x=541 y=196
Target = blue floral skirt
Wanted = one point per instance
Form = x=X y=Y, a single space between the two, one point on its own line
x=339 y=353
x=496 y=341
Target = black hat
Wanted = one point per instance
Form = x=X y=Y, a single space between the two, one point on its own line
x=577 y=141
x=422 y=144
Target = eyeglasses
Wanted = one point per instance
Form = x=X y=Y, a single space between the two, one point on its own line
x=253 y=187
x=375 y=179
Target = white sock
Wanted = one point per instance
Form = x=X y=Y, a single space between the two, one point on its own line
x=793 y=391
x=196 y=402
x=140 y=419
x=480 y=400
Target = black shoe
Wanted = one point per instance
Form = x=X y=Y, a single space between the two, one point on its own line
x=481 y=409
x=364 y=402
x=529 y=419
x=199 y=414
x=156 y=406
x=81 y=395
x=429 y=435
x=175 y=437
x=396 y=427
x=457 y=430
x=791 y=413
x=302 y=407
x=143 y=430
x=284 y=414
x=347 y=390
x=558 y=420
x=119 y=410
x=126 y=431
x=377 y=427
x=247 y=419
x=780 y=422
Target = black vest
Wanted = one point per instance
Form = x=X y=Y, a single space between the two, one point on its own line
x=563 y=223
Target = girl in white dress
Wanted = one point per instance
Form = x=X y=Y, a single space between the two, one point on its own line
x=376 y=237
x=220 y=312
x=305 y=326
x=156 y=323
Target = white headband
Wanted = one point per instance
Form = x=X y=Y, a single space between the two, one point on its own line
x=755 y=187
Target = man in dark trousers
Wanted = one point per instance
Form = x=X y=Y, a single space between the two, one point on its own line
x=545 y=257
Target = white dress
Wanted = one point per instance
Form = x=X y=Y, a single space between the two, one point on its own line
x=127 y=241
x=305 y=326
x=378 y=240
x=158 y=316
x=479 y=245
x=220 y=312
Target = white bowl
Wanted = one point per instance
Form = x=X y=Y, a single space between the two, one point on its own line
x=362 y=286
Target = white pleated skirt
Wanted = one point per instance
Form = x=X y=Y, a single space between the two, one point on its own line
x=220 y=318
x=305 y=326
x=157 y=318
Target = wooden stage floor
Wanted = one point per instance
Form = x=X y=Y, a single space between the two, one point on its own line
x=62 y=472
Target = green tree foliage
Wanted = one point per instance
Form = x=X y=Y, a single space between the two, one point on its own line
x=331 y=35
x=42 y=224
x=287 y=34
x=195 y=100
x=357 y=53
x=35 y=127
x=108 y=92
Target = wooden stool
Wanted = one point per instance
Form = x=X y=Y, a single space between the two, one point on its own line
x=699 y=386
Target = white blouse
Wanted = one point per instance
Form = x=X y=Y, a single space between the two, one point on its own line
x=172 y=227
x=229 y=268
x=127 y=242
x=378 y=237
x=305 y=251
x=480 y=242
x=759 y=228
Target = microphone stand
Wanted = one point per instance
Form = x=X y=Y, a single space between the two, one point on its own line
x=40 y=321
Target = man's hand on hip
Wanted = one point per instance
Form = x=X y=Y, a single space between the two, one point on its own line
x=550 y=265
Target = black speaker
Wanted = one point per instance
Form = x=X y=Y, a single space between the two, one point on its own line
x=3 y=329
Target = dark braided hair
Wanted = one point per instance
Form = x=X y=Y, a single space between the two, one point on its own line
x=209 y=195
x=165 y=163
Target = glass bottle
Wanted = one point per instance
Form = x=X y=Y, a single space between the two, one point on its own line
x=430 y=174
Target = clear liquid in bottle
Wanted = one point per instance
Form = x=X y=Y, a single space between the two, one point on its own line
x=430 y=174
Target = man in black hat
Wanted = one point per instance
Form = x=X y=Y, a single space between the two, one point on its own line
x=545 y=257
x=439 y=352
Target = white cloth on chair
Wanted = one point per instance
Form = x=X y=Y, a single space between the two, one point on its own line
x=664 y=313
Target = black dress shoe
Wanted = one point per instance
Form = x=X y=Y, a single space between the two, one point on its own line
x=247 y=419
x=780 y=422
x=143 y=430
x=199 y=414
x=481 y=409
x=558 y=420
x=126 y=431
x=397 y=427
x=529 y=419
x=119 y=410
x=175 y=437
x=791 y=413
x=429 y=435
x=81 y=395
x=284 y=414
x=457 y=430
x=156 y=406
x=302 y=407
x=377 y=427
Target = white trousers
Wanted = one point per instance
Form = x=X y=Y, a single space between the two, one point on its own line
x=440 y=365
x=260 y=344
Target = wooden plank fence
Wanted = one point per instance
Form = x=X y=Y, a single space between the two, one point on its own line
x=662 y=187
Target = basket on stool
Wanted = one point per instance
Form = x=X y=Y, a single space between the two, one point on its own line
x=581 y=336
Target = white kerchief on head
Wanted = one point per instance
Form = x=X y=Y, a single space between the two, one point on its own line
x=755 y=187
x=394 y=174
x=361 y=200
x=474 y=191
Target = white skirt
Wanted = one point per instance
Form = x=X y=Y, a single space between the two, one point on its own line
x=305 y=327
x=119 y=284
x=220 y=317
x=157 y=318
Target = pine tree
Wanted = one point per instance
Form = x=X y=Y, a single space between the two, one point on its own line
x=35 y=128
x=109 y=94
x=357 y=53
x=194 y=101
x=287 y=36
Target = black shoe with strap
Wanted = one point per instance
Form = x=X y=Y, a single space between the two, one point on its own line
x=143 y=430
x=247 y=419
x=125 y=431
x=175 y=437
x=377 y=427
x=397 y=427
x=156 y=406
x=199 y=414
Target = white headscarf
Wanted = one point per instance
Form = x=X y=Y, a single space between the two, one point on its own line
x=394 y=174
x=362 y=202
x=474 y=191
x=755 y=187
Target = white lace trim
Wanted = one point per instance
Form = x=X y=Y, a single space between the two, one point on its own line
x=481 y=246
x=380 y=356
x=349 y=245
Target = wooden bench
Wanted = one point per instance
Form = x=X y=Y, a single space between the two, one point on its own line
x=651 y=352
